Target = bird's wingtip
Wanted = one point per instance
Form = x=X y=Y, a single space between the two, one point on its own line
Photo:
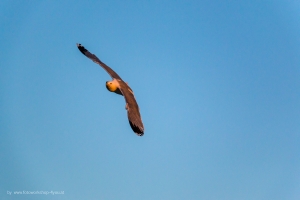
x=81 y=48
x=137 y=129
x=140 y=134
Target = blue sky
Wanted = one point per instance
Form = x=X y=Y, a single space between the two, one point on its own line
x=217 y=82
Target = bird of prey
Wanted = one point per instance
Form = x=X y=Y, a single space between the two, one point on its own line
x=118 y=86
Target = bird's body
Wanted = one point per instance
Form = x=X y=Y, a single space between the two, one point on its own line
x=118 y=86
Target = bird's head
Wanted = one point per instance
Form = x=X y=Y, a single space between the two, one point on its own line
x=111 y=86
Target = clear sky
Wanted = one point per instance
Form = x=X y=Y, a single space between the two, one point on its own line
x=217 y=82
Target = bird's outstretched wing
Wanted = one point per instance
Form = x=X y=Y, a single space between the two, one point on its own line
x=133 y=111
x=94 y=58
x=132 y=107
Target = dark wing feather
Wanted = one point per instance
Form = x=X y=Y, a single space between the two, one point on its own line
x=94 y=58
x=133 y=111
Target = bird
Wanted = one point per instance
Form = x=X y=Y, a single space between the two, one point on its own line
x=118 y=86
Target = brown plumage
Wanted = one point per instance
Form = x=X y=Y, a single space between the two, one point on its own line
x=118 y=86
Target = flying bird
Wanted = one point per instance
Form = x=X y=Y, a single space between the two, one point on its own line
x=118 y=86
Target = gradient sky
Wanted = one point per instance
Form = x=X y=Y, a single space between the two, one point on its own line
x=217 y=82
